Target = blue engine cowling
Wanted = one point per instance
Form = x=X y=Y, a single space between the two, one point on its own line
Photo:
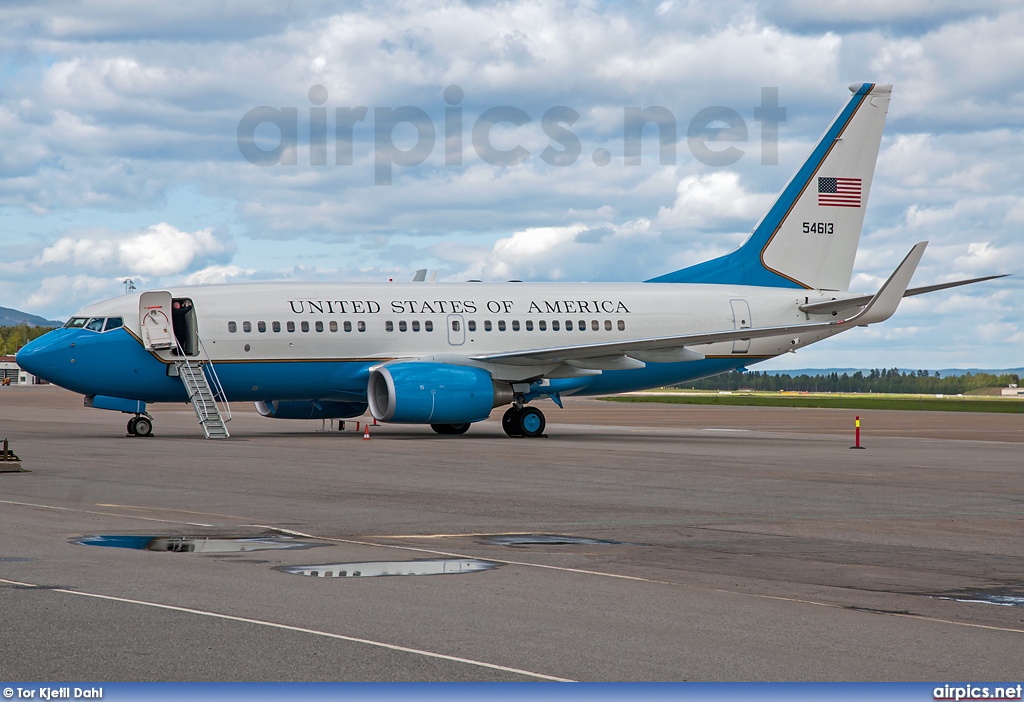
x=320 y=409
x=433 y=393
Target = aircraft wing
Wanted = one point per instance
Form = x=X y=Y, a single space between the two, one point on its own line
x=861 y=300
x=878 y=308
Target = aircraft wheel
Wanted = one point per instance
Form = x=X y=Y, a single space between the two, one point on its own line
x=531 y=422
x=131 y=425
x=143 y=426
x=510 y=422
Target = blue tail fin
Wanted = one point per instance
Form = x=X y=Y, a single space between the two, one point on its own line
x=808 y=238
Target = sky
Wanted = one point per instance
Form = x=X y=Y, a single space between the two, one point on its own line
x=223 y=141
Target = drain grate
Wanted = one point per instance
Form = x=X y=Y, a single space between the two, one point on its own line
x=372 y=569
x=196 y=544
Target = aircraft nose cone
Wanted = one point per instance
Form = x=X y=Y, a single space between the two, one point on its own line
x=41 y=355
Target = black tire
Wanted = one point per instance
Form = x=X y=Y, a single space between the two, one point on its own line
x=131 y=425
x=531 y=422
x=510 y=422
x=450 y=429
x=143 y=427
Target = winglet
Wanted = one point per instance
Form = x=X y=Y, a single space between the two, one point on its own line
x=883 y=305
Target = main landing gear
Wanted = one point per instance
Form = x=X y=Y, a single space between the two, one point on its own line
x=140 y=425
x=523 y=421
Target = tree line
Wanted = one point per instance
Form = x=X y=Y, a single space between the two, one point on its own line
x=13 y=338
x=890 y=380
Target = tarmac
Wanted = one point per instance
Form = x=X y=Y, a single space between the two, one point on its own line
x=663 y=542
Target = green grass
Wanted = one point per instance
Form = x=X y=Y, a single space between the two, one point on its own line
x=856 y=401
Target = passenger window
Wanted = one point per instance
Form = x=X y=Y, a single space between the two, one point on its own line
x=529 y=325
x=607 y=325
x=247 y=327
x=415 y=326
x=114 y=323
x=582 y=325
x=389 y=326
x=455 y=325
x=542 y=325
x=347 y=326
x=261 y=327
x=402 y=326
x=501 y=325
x=291 y=326
x=515 y=325
x=595 y=325
x=304 y=326
x=622 y=325
x=232 y=327
x=276 y=326
x=471 y=325
x=76 y=322
x=428 y=326
x=487 y=325
x=554 y=325
x=319 y=326
x=568 y=325
x=334 y=326
x=95 y=325
x=361 y=326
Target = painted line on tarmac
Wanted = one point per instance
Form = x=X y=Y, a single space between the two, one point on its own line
x=106 y=514
x=636 y=578
x=171 y=509
x=299 y=629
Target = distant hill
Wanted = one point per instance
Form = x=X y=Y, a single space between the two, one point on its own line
x=12 y=318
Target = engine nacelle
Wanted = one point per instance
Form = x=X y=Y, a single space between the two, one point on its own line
x=299 y=409
x=433 y=393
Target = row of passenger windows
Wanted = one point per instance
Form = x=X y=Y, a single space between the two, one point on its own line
x=542 y=325
x=96 y=324
x=290 y=326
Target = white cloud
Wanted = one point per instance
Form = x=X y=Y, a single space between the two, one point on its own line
x=159 y=250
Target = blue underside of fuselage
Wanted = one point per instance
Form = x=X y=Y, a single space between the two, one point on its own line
x=116 y=364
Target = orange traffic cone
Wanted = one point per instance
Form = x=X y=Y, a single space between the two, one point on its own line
x=366 y=433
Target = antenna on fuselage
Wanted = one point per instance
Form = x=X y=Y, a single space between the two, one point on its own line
x=129 y=286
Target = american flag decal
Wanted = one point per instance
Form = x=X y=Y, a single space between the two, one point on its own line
x=838 y=192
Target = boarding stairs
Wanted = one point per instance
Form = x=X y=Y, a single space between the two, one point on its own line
x=193 y=376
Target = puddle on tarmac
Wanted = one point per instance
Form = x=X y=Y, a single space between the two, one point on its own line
x=1006 y=596
x=546 y=540
x=371 y=569
x=197 y=544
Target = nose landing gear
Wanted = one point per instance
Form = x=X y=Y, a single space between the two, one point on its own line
x=523 y=421
x=140 y=425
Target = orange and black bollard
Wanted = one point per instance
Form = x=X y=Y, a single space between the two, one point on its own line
x=857 y=434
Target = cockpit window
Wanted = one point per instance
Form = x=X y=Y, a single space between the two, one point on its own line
x=76 y=322
x=96 y=324
x=114 y=323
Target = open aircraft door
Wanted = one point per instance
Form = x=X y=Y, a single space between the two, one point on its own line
x=155 y=322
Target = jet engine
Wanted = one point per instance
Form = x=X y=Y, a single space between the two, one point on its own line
x=434 y=393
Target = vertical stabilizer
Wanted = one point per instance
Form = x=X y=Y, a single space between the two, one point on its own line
x=809 y=236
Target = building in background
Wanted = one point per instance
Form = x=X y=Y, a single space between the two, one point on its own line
x=11 y=374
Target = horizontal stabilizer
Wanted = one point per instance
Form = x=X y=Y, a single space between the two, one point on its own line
x=835 y=306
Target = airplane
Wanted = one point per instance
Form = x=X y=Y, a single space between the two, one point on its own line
x=447 y=354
